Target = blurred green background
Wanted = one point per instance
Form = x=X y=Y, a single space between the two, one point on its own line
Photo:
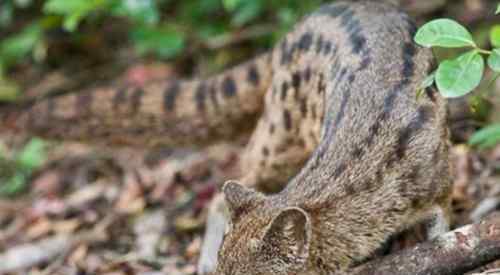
x=163 y=28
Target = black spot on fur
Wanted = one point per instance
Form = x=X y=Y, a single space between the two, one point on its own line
x=213 y=97
x=405 y=134
x=321 y=84
x=358 y=43
x=351 y=78
x=303 y=107
x=296 y=80
x=409 y=51
x=170 y=95
x=200 y=96
x=287 y=52
x=284 y=90
x=229 y=87
x=314 y=115
x=287 y=120
x=272 y=128
x=305 y=41
x=342 y=109
x=265 y=151
x=319 y=44
x=328 y=48
x=353 y=27
x=307 y=74
x=357 y=152
x=253 y=76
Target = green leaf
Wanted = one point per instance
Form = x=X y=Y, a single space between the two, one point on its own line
x=141 y=11
x=6 y=13
x=32 y=156
x=495 y=36
x=159 y=40
x=247 y=12
x=444 y=33
x=232 y=5
x=73 y=11
x=498 y=9
x=13 y=185
x=457 y=77
x=486 y=137
x=494 y=60
x=18 y=46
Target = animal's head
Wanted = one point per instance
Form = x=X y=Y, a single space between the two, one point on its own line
x=263 y=238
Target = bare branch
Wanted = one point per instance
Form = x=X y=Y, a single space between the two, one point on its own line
x=453 y=253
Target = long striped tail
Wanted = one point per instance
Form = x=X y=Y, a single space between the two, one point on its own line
x=160 y=113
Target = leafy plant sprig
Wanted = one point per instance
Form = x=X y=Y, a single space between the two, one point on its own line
x=15 y=171
x=461 y=75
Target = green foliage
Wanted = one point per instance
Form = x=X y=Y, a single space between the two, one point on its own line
x=495 y=36
x=7 y=10
x=19 y=45
x=444 y=33
x=487 y=137
x=461 y=75
x=164 y=42
x=246 y=11
x=161 y=28
x=457 y=77
x=73 y=11
x=15 y=171
x=494 y=60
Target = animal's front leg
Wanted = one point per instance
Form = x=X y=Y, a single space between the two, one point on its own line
x=215 y=227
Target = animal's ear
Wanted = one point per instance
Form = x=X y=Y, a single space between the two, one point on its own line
x=289 y=236
x=240 y=199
